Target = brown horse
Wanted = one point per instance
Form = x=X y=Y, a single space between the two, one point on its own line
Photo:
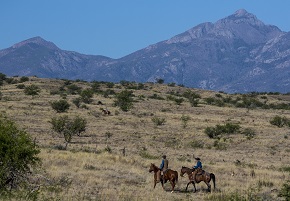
x=203 y=176
x=168 y=175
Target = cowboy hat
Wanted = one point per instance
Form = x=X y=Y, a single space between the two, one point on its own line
x=197 y=159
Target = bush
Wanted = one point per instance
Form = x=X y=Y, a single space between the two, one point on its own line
x=20 y=86
x=280 y=121
x=196 y=144
x=158 y=121
x=249 y=133
x=77 y=102
x=60 y=106
x=124 y=100
x=87 y=95
x=73 y=89
x=178 y=101
x=184 y=119
x=217 y=131
x=285 y=191
x=31 y=90
x=18 y=155
x=68 y=127
x=160 y=81
x=24 y=79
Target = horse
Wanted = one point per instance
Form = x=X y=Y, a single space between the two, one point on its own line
x=168 y=175
x=204 y=176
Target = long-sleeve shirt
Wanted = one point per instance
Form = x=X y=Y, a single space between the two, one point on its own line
x=164 y=164
x=198 y=165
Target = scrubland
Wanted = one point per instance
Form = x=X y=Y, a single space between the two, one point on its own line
x=111 y=159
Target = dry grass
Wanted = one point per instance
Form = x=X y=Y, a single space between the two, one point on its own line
x=86 y=171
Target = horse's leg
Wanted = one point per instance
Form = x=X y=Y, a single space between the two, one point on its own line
x=162 y=183
x=187 y=185
x=193 y=186
x=173 y=185
x=208 y=186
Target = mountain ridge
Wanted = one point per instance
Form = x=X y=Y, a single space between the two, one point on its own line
x=238 y=53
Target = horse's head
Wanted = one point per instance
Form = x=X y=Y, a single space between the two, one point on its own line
x=151 y=168
x=182 y=171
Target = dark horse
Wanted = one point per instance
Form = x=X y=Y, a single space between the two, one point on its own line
x=168 y=175
x=203 y=176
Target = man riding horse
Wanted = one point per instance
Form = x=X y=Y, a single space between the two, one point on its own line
x=163 y=167
x=197 y=168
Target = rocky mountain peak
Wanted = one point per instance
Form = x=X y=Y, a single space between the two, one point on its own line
x=242 y=13
x=36 y=40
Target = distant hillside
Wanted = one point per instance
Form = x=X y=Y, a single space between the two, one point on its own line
x=238 y=53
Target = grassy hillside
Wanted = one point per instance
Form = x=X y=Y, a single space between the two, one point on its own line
x=110 y=160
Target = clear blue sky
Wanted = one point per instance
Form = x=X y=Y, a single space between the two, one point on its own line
x=116 y=28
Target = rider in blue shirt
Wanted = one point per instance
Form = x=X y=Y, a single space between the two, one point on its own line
x=198 y=164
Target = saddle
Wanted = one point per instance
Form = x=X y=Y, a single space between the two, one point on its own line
x=199 y=171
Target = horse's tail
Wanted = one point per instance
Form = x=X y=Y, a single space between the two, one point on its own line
x=212 y=176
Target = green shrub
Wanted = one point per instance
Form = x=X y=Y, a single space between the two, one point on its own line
x=24 y=79
x=31 y=90
x=110 y=84
x=68 y=127
x=60 y=106
x=184 y=119
x=77 y=102
x=217 y=131
x=124 y=100
x=20 y=86
x=249 y=133
x=11 y=80
x=285 y=191
x=87 y=95
x=18 y=155
x=178 y=101
x=73 y=89
x=197 y=144
x=160 y=81
x=280 y=121
x=158 y=121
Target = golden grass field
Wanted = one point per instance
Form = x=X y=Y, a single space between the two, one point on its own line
x=86 y=171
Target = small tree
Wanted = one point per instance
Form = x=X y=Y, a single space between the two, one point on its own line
x=31 y=90
x=24 y=79
x=87 y=95
x=159 y=80
x=124 y=100
x=67 y=127
x=2 y=78
x=77 y=102
x=18 y=155
x=60 y=106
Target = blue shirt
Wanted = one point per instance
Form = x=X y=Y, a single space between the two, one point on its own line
x=162 y=164
x=198 y=165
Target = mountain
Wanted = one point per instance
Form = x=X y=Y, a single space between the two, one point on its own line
x=36 y=56
x=238 y=53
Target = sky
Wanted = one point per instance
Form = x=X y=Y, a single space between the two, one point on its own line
x=116 y=28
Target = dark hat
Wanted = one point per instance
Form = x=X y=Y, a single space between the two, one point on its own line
x=164 y=156
x=197 y=159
